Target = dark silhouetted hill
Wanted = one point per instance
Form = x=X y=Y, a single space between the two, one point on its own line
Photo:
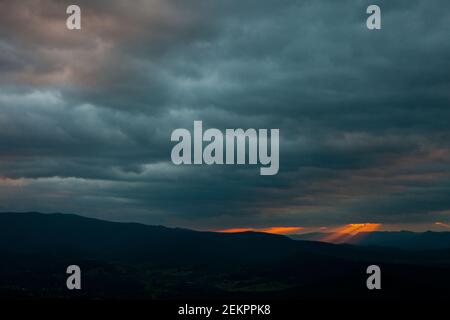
x=396 y=239
x=129 y=260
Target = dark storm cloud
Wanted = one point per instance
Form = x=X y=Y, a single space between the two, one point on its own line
x=86 y=115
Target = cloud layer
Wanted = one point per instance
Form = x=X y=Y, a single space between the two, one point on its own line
x=86 y=115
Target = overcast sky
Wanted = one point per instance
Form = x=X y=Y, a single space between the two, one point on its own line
x=86 y=116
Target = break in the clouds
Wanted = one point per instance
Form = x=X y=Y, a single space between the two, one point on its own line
x=86 y=116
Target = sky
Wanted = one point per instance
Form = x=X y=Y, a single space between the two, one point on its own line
x=86 y=115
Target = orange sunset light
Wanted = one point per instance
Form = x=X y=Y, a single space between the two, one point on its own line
x=442 y=224
x=276 y=230
x=347 y=232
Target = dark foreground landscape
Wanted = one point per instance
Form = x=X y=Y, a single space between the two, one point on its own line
x=130 y=261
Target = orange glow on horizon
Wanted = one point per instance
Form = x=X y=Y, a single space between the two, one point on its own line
x=282 y=230
x=275 y=230
x=347 y=232
x=442 y=224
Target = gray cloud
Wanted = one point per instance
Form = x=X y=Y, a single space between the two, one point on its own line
x=86 y=116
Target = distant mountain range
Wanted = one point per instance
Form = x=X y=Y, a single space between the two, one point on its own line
x=130 y=260
x=396 y=239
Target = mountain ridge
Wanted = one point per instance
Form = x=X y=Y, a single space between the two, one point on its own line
x=408 y=240
x=139 y=261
